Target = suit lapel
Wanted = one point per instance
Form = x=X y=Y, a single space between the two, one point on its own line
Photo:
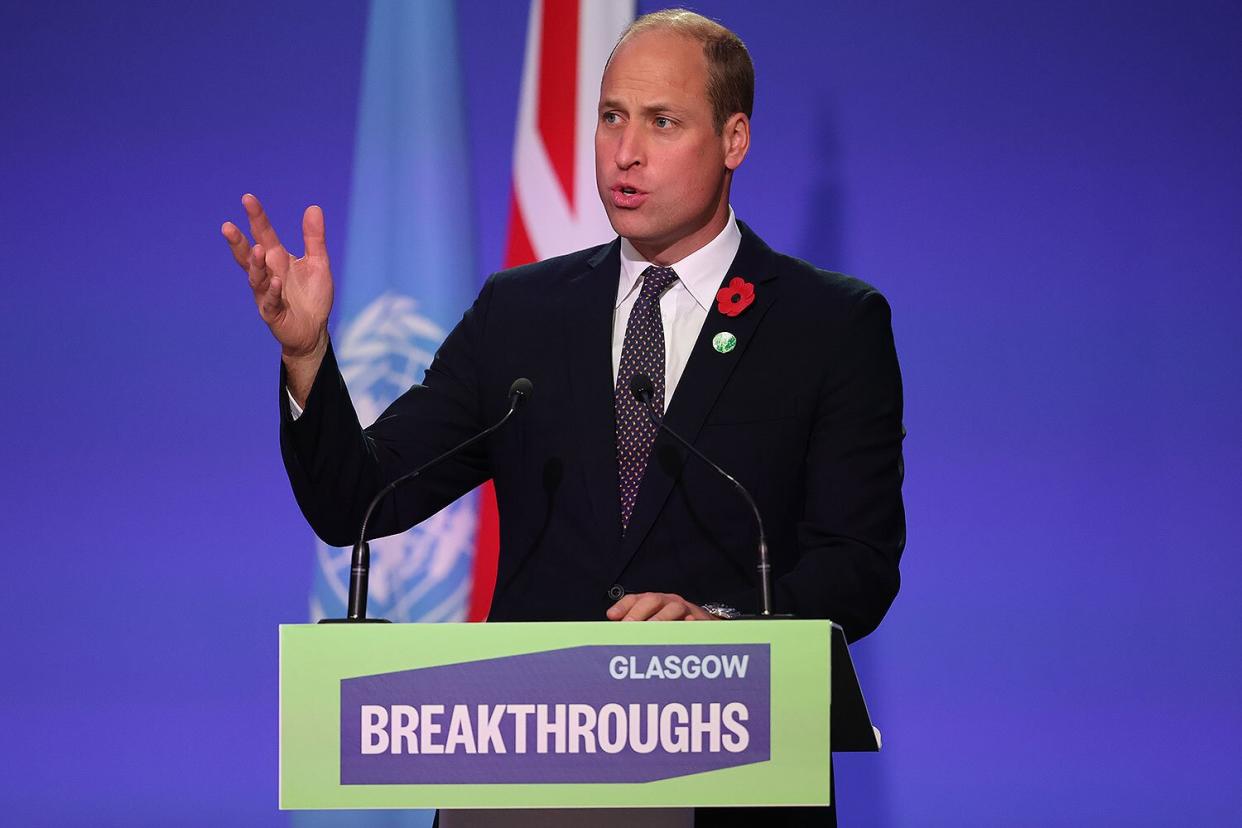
x=705 y=376
x=589 y=303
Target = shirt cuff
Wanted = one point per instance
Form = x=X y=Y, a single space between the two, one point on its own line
x=295 y=410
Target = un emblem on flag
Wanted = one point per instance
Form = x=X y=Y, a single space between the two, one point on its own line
x=422 y=574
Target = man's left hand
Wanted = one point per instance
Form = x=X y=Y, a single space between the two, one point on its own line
x=657 y=606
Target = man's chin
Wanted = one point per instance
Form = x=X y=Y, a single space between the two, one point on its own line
x=629 y=225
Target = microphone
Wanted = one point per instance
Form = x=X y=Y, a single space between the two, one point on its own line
x=360 y=564
x=644 y=392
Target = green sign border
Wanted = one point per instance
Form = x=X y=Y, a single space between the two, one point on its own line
x=314 y=658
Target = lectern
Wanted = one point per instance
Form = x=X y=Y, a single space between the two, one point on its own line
x=559 y=715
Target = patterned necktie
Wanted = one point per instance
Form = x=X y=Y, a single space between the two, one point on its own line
x=641 y=353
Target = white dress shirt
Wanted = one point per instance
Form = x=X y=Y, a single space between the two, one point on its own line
x=683 y=307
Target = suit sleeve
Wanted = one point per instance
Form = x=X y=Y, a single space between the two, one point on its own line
x=336 y=467
x=852 y=529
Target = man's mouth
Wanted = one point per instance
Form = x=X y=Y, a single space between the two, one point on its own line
x=625 y=196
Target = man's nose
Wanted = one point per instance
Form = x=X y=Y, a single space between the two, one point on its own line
x=630 y=150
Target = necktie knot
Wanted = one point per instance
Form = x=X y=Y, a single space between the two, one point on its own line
x=656 y=280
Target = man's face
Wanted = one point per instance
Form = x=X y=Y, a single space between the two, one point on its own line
x=661 y=169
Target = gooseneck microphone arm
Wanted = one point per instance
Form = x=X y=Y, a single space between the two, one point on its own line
x=360 y=564
x=644 y=392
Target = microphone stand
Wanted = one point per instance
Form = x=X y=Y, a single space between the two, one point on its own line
x=360 y=562
x=644 y=392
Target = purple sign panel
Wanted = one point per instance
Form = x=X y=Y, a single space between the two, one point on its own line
x=600 y=713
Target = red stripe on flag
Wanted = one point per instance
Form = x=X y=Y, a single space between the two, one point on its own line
x=487 y=537
x=486 y=553
x=555 y=122
x=558 y=86
x=519 y=250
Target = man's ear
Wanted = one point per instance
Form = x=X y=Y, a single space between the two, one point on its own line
x=736 y=139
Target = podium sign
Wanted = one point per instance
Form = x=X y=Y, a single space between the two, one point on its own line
x=547 y=715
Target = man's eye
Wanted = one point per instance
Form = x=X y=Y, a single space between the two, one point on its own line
x=663 y=123
x=609 y=117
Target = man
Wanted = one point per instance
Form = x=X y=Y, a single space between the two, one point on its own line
x=784 y=374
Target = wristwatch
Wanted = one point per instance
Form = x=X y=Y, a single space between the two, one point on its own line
x=724 y=611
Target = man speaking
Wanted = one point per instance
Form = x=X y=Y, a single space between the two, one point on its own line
x=783 y=374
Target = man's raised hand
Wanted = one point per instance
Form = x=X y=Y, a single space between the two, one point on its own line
x=294 y=295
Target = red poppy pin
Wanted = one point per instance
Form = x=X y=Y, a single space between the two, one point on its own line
x=735 y=297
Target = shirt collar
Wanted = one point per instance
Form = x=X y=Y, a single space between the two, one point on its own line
x=700 y=273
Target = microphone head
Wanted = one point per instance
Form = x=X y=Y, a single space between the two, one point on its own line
x=641 y=387
x=520 y=391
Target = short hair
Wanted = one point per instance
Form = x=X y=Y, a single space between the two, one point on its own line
x=730 y=72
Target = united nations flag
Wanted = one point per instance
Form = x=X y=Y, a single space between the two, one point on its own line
x=408 y=275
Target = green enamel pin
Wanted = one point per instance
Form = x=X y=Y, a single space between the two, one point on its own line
x=724 y=342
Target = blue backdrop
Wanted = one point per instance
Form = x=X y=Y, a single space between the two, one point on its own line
x=1048 y=193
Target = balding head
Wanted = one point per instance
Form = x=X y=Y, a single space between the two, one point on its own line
x=730 y=73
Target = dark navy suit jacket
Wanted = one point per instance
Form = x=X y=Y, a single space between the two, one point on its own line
x=805 y=412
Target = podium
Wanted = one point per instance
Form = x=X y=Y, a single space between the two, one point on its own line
x=565 y=715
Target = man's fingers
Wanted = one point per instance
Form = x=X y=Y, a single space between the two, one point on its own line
x=654 y=606
x=256 y=269
x=647 y=605
x=277 y=261
x=618 y=610
x=672 y=611
x=238 y=244
x=268 y=287
x=260 y=227
x=272 y=301
x=313 y=233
